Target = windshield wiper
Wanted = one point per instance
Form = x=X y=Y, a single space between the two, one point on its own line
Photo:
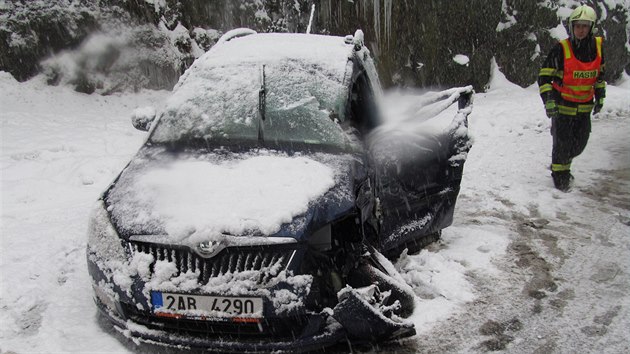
x=262 y=95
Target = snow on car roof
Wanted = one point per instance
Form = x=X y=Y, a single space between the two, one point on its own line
x=329 y=51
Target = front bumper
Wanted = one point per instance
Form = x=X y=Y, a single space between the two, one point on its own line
x=317 y=332
x=353 y=319
x=125 y=303
x=293 y=319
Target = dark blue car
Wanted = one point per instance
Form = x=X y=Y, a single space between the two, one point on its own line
x=263 y=210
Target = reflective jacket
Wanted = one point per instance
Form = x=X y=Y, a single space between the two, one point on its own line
x=552 y=75
x=579 y=77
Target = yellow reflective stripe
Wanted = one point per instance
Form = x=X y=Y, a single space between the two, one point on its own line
x=545 y=88
x=598 y=42
x=550 y=104
x=557 y=167
x=577 y=97
x=567 y=111
x=580 y=88
x=547 y=72
x=600 y=85
x=601 y=101
x=585 y=108
x=566 y=49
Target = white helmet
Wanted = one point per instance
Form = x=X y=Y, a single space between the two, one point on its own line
x=582 y=14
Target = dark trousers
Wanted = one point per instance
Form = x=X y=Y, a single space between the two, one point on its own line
x=570 y=135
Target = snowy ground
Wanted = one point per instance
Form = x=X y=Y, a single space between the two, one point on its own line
x=524 y=268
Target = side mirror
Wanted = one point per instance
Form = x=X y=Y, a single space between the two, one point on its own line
x=465 y=99
x=142 y=118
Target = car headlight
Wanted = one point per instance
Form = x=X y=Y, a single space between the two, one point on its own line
x=106 y=254
x=104 y=244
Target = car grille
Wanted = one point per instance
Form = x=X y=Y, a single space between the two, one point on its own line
x=229 y=260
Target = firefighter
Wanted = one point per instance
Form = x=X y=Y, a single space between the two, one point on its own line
x=572 y=85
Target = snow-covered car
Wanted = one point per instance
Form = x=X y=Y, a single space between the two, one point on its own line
x=257 y=214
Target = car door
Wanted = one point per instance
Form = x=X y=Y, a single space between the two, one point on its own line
x=417 y=169
x=415 y=164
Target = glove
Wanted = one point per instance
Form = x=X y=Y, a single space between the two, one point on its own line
x=551 y=109
x=597 y=108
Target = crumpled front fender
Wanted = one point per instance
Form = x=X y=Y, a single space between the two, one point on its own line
x=378 y=299
x=363 y=320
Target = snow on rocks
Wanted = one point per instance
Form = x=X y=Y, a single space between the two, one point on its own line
x=461 y=59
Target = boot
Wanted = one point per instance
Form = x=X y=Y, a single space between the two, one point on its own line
x=562 y=180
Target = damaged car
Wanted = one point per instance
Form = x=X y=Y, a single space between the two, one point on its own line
x=269 y=198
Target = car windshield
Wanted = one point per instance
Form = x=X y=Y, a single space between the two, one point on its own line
x=302 y=106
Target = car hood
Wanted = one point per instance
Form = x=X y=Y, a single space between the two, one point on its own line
x=198 y=196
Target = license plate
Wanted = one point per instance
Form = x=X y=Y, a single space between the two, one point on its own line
x=211 y=306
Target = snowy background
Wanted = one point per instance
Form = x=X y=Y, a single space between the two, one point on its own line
x=524 y=268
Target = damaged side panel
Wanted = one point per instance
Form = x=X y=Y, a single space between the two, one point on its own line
x=418 y=174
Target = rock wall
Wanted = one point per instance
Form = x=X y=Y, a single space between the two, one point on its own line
x=448 y=43
x=417 y=44
x=30 y=31
x=115 y=45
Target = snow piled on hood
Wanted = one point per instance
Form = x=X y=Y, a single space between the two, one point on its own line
x=196 y=199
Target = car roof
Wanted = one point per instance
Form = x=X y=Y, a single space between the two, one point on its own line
x=245 y=46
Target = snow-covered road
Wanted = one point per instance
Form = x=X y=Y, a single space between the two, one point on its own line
x=562 y=283
x=524 y=268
